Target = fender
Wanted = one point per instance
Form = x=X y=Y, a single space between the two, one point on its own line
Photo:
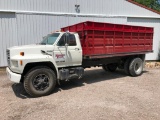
x=36 y=60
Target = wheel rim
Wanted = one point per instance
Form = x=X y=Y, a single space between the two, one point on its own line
x=138 y=67
x=41 y=82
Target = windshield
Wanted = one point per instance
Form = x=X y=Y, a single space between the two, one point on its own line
x=50 y=39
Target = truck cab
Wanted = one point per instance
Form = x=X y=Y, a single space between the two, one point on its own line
x=57 y=51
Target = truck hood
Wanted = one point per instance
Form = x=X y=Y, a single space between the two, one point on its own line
x=30 y=49
x=23 y=47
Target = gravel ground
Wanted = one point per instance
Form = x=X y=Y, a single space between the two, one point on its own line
x=99 y=95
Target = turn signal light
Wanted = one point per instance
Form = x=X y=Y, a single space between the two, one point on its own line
x=22 y=53
x=21 y=62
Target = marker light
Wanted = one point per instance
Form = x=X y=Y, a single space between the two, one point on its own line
x=21 y=62
x=22 y=53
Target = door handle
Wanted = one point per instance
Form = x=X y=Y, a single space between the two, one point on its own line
x=76 y=48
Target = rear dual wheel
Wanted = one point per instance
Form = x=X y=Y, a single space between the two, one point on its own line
x=133 y=67
x=110 y=67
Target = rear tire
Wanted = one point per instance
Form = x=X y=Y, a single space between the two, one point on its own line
x=136 y=67
x=105 y=68
x=40 y=81
x=126 y=66
x=110 y=67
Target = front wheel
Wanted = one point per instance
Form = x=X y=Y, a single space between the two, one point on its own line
x=40 y=81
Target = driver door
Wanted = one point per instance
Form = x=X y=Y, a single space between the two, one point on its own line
x=68 y=52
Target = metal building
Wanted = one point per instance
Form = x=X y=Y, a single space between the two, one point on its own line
x=27 y=21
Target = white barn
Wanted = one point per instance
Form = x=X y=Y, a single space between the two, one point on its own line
x=27 y=21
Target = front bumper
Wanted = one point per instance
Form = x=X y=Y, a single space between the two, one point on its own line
x=14 y=77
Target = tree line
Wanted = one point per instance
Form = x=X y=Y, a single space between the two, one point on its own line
x=153 y=4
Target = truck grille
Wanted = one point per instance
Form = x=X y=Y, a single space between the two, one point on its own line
x=8 y=57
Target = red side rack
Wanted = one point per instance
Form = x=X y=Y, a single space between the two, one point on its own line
x=107 y=38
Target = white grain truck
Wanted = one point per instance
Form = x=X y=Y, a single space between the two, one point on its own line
x=63 y=55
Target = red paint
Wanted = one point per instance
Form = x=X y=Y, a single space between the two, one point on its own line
x=107 y=38
x=59 y=56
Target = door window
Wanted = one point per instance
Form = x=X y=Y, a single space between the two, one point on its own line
x=71 y=40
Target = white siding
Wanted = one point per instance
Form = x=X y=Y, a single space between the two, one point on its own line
x=17 y=28
x=156 y=39
x=8 y=34
x=108 y=7
x=31 y=28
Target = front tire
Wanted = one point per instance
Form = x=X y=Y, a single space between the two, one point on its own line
x=40 y=81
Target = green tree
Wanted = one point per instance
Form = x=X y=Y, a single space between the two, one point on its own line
x=153 y=4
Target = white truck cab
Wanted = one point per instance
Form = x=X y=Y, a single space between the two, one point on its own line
x=41 y=63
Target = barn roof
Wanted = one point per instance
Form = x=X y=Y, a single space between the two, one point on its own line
x=143 y=6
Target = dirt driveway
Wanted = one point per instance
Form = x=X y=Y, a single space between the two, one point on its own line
x=98 y=96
